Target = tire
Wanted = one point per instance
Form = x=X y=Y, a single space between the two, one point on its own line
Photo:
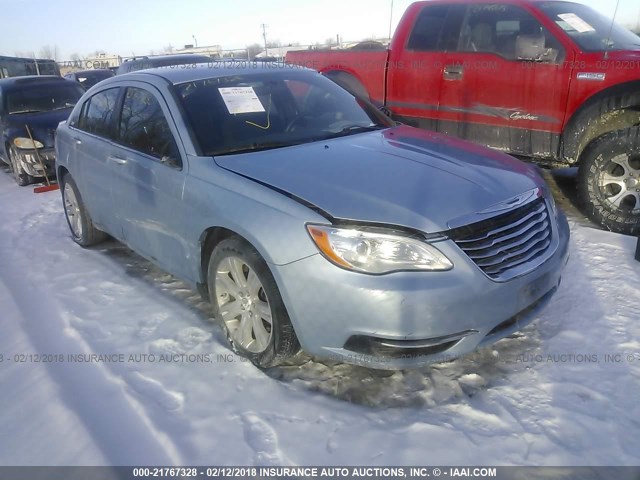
x=83 y=232
x=240 y=299
x=609 y=181
x=350 y=83
x=22 y=178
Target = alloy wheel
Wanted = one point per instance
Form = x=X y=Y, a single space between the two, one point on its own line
x=619 y=182
x=72 y=209
x=243 y=305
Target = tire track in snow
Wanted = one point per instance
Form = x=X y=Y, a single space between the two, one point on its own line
x=120 y=430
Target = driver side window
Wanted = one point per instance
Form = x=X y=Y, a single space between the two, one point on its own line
x=508 y=31
x=143 y=127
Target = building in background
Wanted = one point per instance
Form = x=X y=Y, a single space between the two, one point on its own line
x=214 y=51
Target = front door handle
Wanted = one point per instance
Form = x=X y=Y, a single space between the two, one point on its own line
x=117 y=160
x=453 y=72
x=77 y=140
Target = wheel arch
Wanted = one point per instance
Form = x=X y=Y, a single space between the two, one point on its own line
x=349 y=81
x=208 y=241
x=612 y=109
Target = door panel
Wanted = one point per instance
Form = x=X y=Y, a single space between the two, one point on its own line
x=92 y=143
x=148 y=181
x=506 y=86
x=415 y=72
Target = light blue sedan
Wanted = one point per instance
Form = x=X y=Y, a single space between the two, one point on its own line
x=307 y=217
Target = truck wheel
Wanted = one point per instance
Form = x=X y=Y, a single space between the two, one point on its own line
x=22 y=178
x=609 y=181
x=247 y=304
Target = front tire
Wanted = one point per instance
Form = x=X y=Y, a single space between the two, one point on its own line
x=22 y=178
x=248 y=305
x=83 y=232
x=609 y=181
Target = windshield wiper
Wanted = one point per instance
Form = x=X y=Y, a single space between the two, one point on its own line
x=256 y=147
x=351 y=129
x=25 y=111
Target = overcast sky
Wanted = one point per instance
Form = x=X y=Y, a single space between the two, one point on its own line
x=128 y=27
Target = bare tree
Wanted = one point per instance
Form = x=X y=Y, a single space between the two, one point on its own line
x=49 y=51
x=330 y=42
x=24 y=54
x=253 y=50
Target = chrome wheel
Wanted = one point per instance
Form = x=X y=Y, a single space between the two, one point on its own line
x=243 y=305
x=72 y=210
x=619 y=182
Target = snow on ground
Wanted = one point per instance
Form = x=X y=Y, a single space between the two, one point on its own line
x=545 y=396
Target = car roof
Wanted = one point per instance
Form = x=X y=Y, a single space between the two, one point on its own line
x=214 y=69
x=181 y=56
x=92 y=70
x=13 y=83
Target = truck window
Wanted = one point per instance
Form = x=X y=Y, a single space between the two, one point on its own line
x=508 y=31
x=591 y=30
x=437 y=28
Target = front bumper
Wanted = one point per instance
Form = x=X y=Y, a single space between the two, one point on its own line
x=410 y=319
x=30 y=164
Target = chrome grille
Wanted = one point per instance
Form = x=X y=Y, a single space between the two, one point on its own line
x=502 y=244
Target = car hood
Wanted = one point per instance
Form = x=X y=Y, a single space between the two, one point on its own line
x=399 y=176
x=42 y=125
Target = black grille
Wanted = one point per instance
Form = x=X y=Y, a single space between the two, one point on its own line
x=503 y=243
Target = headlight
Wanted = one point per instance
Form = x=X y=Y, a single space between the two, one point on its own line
x=27 y=143
x=376 y=252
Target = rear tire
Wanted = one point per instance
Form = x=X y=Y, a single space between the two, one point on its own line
x=22 y=178
x=83 y=232
x=248 y=306
x=609 y=181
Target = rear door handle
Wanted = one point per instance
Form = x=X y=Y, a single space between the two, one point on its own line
x=77 y=140
x=117 y=160
x=453 y=72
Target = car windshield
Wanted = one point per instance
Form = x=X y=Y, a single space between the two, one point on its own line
x=243 y=113
x=591 y=30
x=43 y=98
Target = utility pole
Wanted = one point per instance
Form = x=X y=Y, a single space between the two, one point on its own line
x=264 y=35
x=390 y=20
x=195 y=40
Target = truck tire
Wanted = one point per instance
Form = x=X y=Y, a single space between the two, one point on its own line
x=609 y=181
x=350 y=83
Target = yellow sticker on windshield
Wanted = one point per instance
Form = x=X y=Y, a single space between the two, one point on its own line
x=241 y=100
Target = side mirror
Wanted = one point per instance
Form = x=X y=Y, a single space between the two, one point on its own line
x=171 y=162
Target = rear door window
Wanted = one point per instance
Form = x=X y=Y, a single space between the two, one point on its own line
x=97 y=113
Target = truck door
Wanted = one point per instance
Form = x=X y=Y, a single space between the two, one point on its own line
x=506 y=85
x=416 y=60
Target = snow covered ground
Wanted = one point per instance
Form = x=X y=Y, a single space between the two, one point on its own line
x=546 y=396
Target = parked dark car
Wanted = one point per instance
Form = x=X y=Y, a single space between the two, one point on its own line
x=31 y=108
x=88 y=78
x=143 y=63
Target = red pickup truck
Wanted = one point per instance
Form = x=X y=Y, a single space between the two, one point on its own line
x=552 y=81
